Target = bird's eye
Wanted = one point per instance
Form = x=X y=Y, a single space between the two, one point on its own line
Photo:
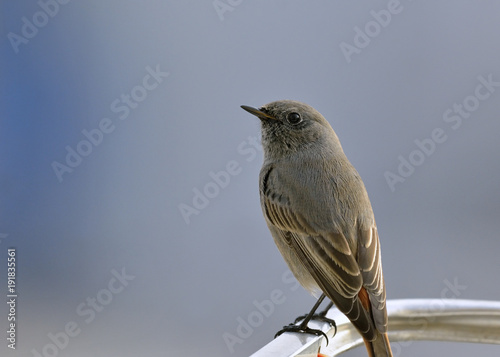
x=294 y=118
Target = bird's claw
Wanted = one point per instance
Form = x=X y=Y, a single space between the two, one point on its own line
x=318 y=317
x=303 y=329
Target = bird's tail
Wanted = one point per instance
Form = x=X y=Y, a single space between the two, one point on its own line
x=380 y=347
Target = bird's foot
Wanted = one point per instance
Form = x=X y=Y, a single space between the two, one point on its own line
x=302 y=328
x=320 y=316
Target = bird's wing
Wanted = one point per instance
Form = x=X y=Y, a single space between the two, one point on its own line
x=327 y=257
x=370 y=265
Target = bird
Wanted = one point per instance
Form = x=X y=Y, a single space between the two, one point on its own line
x=318 y=211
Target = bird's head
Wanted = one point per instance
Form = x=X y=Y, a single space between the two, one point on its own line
x=289 y=126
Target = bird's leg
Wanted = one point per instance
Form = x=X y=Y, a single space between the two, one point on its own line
x=303 y=328
x=320 y=316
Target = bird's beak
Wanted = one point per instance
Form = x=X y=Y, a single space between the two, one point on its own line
x=257 y=112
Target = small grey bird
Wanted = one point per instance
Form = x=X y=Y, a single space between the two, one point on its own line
x=319 y=214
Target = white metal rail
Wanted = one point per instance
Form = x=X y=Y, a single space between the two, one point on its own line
x=414 y=319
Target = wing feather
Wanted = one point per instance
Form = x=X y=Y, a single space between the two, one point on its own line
x=370 y=264
x=328 y=260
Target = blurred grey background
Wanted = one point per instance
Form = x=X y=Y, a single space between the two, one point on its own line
x=156 y=86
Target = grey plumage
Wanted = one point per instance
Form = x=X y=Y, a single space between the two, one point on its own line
x=319 y=214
